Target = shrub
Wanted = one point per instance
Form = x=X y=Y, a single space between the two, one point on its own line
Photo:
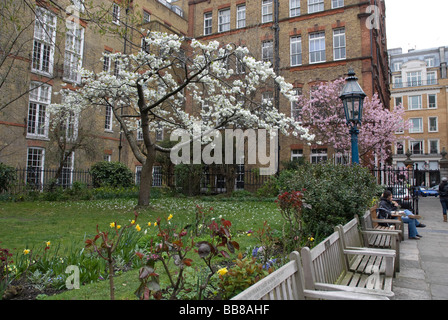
x=7 y=176
x=335 y=194
x=111 y=174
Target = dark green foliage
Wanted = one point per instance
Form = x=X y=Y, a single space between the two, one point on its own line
x=111 y=174
x=335 y=193
x=7 y=176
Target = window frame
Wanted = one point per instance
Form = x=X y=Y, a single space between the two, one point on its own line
x=241 y=16
x=42 y=59
x=420 y=128
x=267 y=13
x=208 y=23
x=317 y=38
x=339 y=35
x=295 y=47
x=224 y=20
x=294 y=8
x=38 y=118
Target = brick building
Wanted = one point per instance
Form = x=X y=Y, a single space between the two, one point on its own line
x=44 y=59
x=419 y=82
x=318 y=40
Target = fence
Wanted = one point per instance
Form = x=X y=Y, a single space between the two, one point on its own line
x=191 y=183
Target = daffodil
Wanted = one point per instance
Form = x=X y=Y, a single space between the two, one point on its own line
x=133 y=222
x=222 y=271
x=26 y=251
x=155 y=224
x=137 y=227
x=112 y=224
x=170 y=217
x=149 y=224
x=48 y=243
x=118 y=226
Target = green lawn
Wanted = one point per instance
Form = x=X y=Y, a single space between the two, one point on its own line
x=28 y=225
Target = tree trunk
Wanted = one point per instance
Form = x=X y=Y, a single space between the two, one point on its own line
x=146 y=179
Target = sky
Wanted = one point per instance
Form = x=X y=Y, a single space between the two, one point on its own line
x=416 y=24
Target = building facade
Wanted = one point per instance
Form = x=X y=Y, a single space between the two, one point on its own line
x=307 y=41
x=316 y=40
x=419 y=83
x=56 y=38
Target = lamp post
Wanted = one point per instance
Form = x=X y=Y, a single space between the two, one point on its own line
x=352 y=97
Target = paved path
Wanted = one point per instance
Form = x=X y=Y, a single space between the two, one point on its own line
x=424 y=262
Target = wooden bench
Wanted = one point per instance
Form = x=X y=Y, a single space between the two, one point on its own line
x=353 y=237
x=384 y=237
x=370 y=220
x=331 y=266
x=287 y=283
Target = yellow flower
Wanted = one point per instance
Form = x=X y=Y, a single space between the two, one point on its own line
x=48 y=243
x=26 y=251
x=311 y=239
x=222 y=271
x=137 y=227
x=112 y=224
x=118 y=226
x=249 y=234
x=155 y=224
x=149 y=224
x=133 y=222
x=170 y=217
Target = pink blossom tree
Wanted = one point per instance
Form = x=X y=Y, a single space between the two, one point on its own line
x=322 y=114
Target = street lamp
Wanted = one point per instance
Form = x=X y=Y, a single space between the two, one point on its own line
x=352 y=97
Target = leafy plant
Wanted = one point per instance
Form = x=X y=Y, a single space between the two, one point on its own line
x=7 y=176
x=246 y=272
x=111 y=174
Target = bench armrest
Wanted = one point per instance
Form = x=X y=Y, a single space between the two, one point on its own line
x=342 y=295
x=370 y=252
x=392 y=233
x=327 y=286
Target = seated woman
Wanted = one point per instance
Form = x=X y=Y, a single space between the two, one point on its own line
x=388 y=206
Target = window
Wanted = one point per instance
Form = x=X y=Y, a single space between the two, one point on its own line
x=207 y=23
x=317 y=47
x=398 y=101
x=315 y=6
x=342 y=158
x=415 y=102
x=40 y=98
x=241 y=16
x=224 y=20
x=43 y=42
x=337 y=3
x=430 y=62
x=416 y=147
x=432 y=124
x=296 y=154
x=159 y=133
x=106 y=62
x=399 y=147
x=146 y=16
x=294 y=8
x=339 y=44
x=433 y=146
x=266 y=11
x=139 y=130
x=116 y=13
x=414 y=79
x=432 y=78
x=239 y=67
x=267 y=52
x=107 y=158
x=318 y=155
x=70 y=126
x=35 y=167
x=398 y=82
x=79 y=5
x=295 y=110
x=296 y=51
x=397 y=66
x=417 y=125
x=74 y=44
x=156 y=175
x=108 y=119
x=432 y=101
x=66 y=178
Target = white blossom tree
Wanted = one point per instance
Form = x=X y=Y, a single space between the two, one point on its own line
x=179 y=83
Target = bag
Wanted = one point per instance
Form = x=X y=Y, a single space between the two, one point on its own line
x=382 y=213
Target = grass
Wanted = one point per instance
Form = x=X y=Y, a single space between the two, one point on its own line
x=67 y=224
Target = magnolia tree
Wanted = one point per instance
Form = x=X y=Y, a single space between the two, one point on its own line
x=323 y=114
x=152 y=90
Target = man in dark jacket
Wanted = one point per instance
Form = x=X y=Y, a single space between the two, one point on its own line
x=386 y=206
x=443 y=193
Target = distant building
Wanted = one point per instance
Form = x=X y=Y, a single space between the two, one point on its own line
x=419 y=82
